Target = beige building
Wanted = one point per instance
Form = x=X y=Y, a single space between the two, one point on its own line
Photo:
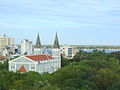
x=67 y=51
x=5 y=41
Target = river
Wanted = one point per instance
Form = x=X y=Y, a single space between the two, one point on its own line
x=106 y=50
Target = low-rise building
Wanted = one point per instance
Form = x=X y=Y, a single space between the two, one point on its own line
x=9 y=50
x=37 y=63
x=67 y=51
x=2 y=59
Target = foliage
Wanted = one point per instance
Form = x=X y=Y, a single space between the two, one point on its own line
x=96 y=70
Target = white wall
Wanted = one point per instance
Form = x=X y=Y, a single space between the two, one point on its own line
x=26 y=47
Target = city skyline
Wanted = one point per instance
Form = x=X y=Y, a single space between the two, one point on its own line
x=78 y=22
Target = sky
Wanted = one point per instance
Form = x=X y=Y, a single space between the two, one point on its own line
x=77 y=22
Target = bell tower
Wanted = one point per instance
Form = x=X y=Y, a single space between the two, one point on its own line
x=38 y=43
x=38 y=46
x=56 y=42
x=56 y=52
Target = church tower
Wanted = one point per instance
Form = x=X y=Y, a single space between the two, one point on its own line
x=56 y=53
x=38 y=43
x=56 y=42
x=38 y=46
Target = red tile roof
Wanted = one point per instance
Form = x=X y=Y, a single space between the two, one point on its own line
x=40 y=57
x=22 y=69
x=1 y=57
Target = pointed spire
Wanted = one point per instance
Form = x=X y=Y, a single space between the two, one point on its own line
x=38 y=43
x=56 y=42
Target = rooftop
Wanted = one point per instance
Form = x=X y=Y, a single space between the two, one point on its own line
x=40 y=57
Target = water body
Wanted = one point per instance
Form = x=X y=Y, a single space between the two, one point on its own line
x=107 y=50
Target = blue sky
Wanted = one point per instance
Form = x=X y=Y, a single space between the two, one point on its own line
x=84 y=22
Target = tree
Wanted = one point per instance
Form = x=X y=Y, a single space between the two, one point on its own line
x=115 y=86
x=115 y=55
x=105 y=78
x=81 y=55
x=65 y=62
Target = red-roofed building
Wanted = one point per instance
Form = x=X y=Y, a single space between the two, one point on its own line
x=37 y=63
x=40 y=57
x=2 y=59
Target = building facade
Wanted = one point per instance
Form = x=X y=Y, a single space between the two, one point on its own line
x=67 y=51
x=37 y=63
x=26 y=47
x=4 y=42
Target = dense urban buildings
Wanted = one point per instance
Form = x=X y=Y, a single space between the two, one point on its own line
x=41 y=60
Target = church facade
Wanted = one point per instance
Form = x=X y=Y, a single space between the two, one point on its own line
x=41 y=61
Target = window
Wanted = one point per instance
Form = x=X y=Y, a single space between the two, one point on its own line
x=32 y=68
x=70 y=52
x=12 y=67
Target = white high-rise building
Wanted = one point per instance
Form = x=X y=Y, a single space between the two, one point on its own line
x=26 y=47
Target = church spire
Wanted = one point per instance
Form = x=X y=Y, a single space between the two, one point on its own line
x=56 y=42
x=38 y=43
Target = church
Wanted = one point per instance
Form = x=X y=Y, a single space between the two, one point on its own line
x=42 y=61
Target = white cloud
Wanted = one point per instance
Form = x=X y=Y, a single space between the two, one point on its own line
x=90 y=12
